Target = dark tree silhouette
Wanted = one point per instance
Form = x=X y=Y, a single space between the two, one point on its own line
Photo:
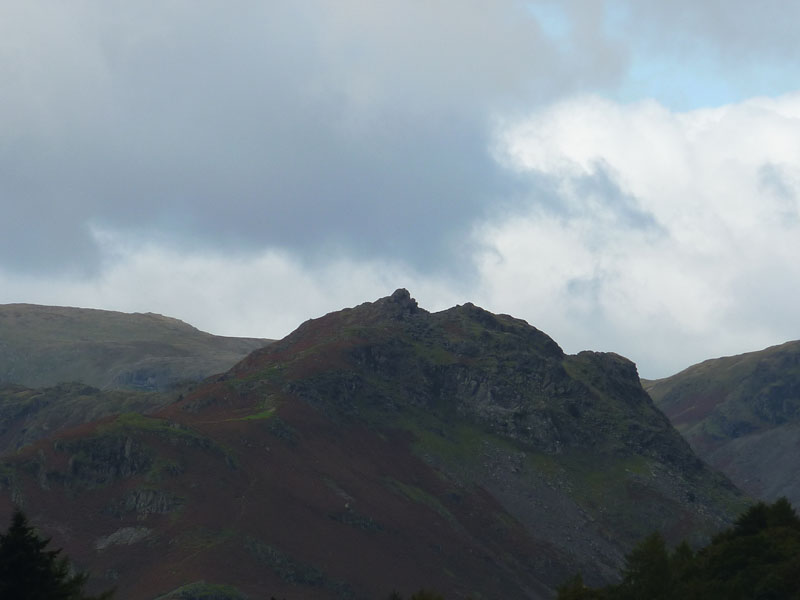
x=28 y=571
x=421 y=594
x=757 y=558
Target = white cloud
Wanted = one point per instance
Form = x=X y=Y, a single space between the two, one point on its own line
x=672 y=237
x=265 y=294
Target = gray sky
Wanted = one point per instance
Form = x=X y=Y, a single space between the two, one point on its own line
x=623 y=175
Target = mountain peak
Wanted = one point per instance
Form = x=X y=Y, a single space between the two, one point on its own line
x=402 y=297
x=402 y=301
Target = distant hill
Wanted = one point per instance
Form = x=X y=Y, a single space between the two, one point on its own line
x=374 y=449
x=46 y=345
x=742 y=415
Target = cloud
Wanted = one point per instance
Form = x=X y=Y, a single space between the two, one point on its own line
x=669 y=237
x=264 y=294
x=293 y=125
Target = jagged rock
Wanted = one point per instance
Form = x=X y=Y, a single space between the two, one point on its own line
x=146 y=501
x=106 y=458
x=124 y=536
x=402 y=298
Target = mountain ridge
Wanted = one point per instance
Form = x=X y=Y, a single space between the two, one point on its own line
x=742 y=414
x=375 y=448
x=47 y=345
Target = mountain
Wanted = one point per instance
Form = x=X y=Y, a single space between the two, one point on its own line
x=47 y=345
x=742 y=415
x=376 y=448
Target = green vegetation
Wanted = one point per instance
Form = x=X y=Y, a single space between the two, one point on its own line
x=131 y=444
x=201 y=538
x=355 y=519
x=740 y=413
x=759 y=557
x=163 y=468
x=200 y=590
x=730 y=396
x=284 y=566
x=419 y=595
x=28 y=415
x=258 y=416
x=293 y=571
x=135 y=424
x=30 y=572
x=453 y=442
x=433 y=353
x=101 y=460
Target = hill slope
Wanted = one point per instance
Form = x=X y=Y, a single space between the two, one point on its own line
x=28 y=415
x=377 y=448
x=742 y=415
x=47 y=345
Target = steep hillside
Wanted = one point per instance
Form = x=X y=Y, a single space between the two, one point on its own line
x=377 y=448
x=742 y=415
x=28 y=415
x=45 y=345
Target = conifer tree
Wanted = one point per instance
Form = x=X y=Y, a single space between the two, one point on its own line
x=759 y=557
x=28 y=571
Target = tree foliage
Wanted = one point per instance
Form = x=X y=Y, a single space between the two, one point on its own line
x=421 y=594
x=759 y=557
x=28 y=571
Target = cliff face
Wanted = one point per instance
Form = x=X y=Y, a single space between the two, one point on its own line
x=377 y=448
x=742 y=415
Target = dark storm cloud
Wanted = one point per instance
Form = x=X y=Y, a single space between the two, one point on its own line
x=351 y=125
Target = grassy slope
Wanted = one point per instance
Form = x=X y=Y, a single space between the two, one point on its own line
x=43 y=346
x=742 y=415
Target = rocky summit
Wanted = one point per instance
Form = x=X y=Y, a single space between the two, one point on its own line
x=378 y=448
